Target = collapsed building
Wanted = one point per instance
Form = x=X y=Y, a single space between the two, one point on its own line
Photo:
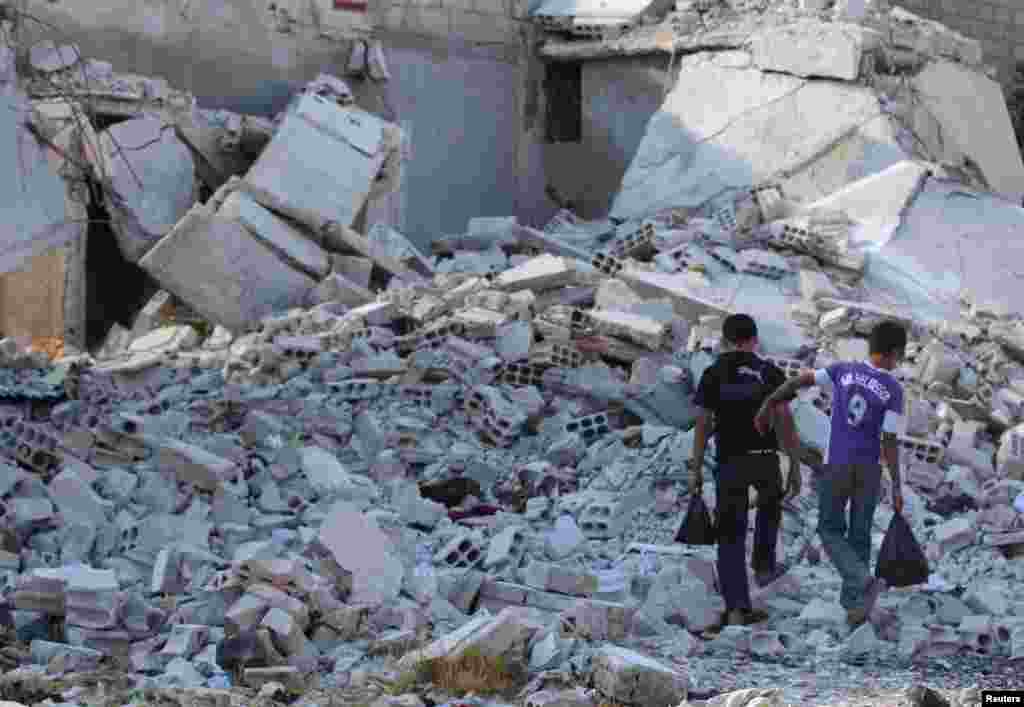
x=319 y=457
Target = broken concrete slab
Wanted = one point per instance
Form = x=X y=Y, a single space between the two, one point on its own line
x=33 y=201
x=728 y=126
x=878 y=201
x=285 y=240
x=809 y=48
x=150 y=179
x=634 y=679
x=974 y=124
x=925 y=267
x=323 y=159
x=235 y=284
x=221 y=143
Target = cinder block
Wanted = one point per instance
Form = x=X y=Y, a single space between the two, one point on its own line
x=462 y=552
x=506 y=548
x=955 y=535
x=598 y=620
x=634 y=679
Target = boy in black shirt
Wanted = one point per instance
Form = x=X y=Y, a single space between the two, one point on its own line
x=733 y=389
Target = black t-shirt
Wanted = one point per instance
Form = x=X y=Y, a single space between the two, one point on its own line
x=734 y=388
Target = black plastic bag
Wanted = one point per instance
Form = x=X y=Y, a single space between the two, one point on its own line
x=901 y=561
x=697 y=527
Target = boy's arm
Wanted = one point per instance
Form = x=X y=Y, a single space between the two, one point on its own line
x=891 y=456
x=705 y=400
x=786 y=392
x=894 y=424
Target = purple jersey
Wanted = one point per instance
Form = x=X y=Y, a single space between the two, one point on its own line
x=866 y=401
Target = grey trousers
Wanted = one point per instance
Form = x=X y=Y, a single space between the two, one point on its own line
x=848 y=542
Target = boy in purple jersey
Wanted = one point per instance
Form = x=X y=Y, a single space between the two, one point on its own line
x=867 y=420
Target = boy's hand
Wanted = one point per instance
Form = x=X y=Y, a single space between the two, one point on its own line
x=897 y=499
x=696 y=485
x=762 y=421
x=794 y=480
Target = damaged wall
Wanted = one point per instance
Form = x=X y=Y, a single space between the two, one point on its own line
x=619 y=96
x=460 y=97
x=997 y=25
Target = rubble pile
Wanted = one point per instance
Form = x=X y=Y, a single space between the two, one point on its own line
x=490 y=460
x=326 y=460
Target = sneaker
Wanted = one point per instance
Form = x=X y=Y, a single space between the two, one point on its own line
x=745 y=617
x=856 y=618
x=763 y=579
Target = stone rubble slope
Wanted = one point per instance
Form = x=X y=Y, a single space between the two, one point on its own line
x=328 y=461
x=486 y=462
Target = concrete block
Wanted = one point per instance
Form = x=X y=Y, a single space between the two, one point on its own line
x=926 y=477
x=515 y=339
x=415 y=509
x=277 y=599
x=185 y=641
x=235 y=285
x=354 y=269
x=506 y=548
x=877 y=200
x=914 y=641
x=575 y=697
x=541 y=273
x=560 y=579
x=330 y=478
x=861 y=642
x=72 y=658
x=771 y=644
x=955 y=535
x=288 y=242
x=91 y=597
x=322 y=160
x=811 y=48
x=634 y=679
x=644 y=331
x=961 y=100
x=153 y=174
x=460 y=587
x=923 y=450
x=733 y=639
x=762 y=263
x=287 y=632
x=987 y=600
x=75 y=499
x=949 y=610
x=463 y=551
x=359 y=547
x=598 y=620
x=978 y=633
x=820 y=613
x=1010 y=457
x=191 y=464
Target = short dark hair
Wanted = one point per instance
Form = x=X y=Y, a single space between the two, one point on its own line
x=738 y=328
x=888 y=337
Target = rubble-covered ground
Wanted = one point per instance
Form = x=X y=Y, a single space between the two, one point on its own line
x=325 y=468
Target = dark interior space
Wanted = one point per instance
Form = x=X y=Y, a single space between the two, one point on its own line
x=102 y=121
x=563 y=91
x=115 y=289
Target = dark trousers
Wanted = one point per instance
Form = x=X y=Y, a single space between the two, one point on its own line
x=734 y=478
x=848 y=542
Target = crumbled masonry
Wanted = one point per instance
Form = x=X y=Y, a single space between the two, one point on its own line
x=323 y=467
